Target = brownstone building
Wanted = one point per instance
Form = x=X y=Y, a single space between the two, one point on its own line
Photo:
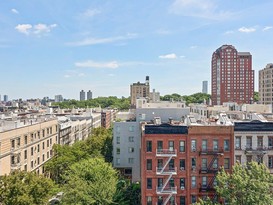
x=232 y=77
x=179 y=163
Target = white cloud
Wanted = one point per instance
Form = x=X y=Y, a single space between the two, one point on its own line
x=94 y=41
x=182 y=56
x=67 y=76
x=197 y=8
x=93 y=64
x=267 y=28
x=168 y=56
x=14 y=11
x=229 y=32
x=81 y=75
x=246 y=30
x=193 y=47
x=37 y=29
x=23 y=28
x=90 y=13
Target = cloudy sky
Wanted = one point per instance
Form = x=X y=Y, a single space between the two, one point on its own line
x=50 y=47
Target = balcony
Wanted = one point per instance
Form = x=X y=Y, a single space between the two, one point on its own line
x=166 y=190
x=206 y=188
x=211 y=151
x=15 y=165
x=166 y=153
x=205 y=170
x=166 y=171
x=261 y=150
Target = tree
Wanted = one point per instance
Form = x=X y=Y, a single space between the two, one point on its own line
x=26 y=188
x=90 y=181
x=256 y=96
x=246 y=185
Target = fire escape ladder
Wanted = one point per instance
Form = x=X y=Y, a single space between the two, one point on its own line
x=165 y=165
x=168 y=198
x=211 y=162
x=166 y=182
x=210 y=184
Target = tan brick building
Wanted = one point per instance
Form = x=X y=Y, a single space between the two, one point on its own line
x=27 y=147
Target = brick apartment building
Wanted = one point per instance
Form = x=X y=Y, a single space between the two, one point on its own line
x=232 y=77
x=179 y=163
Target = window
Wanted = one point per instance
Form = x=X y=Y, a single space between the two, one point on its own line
x=215 y=145
x=131 y=128
x=31 y=164
x=171 y=182
x=118 y=150
x=149 y=164
x=25 y=139
x=31 y=151
x=118 y=161
x=204 y=181
x=204 y=145
x=182 y=200
x=226 y=145
x=38 y=148
x=159 y=145
x=171 y=145
x=118 y=139
x=193 y=163
x=193 y=182
x=171 y=165
x=215 y=164
x=248 y=159
x=13 y=143
x=43 y=157
x=237 y=142
x=149 y=183
x=25 y=155
x=131 y=160
x=270 y=162
x=270 y=142
x=172 y=201
x=131 y=149
x=38 y=160
x=182 y=146
x=160 y=182
x=43 y=145
x=149 y=146
x=182 y=164
x=149 y=200
x=204 y=163
x=193 y=145
x=260 y=142
x=226 y=163
x=160 y=200
x=193 y=199
x=131 y=138
x=160 y=163
x=248 y=142
x=47 y=142
x=238 y=159
x=182 y=183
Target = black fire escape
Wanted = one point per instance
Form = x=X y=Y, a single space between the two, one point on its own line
x=210 y=170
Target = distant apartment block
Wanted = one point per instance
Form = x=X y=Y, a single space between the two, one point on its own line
x=6 y=99
x=154 y=96
x=27 y=145
x=82 y=95
x=138 y=90
x=205 y=87
x=232 y=77
x=266 y=84
x=89 y=95
x=59 y=98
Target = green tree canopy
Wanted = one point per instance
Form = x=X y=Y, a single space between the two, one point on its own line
x=247 y=185
x=26 y=188
x=90 y=181
x=194 y=98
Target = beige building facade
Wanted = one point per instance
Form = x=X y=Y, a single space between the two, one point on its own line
x=138 y=90
x=266 y=84
x=28 y=147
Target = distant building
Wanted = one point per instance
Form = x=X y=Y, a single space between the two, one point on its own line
x=154 y=96
x=6 y=98
x=232 y=77
x=89 y=95
x=59 y=98
x=138 y=90
x=205 y=87
x=82 y=95
x=265 y=84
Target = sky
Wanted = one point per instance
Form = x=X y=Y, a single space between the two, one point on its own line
x=52 y=47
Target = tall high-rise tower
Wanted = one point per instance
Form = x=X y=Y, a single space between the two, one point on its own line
x=232 y=77
x=205 y=87
x=266 y=84
x=139 y=90
x=82 y=95
x=89 y=95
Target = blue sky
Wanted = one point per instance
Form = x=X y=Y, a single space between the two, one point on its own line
x=50 y=47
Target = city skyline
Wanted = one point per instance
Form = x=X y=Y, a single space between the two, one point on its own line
x=49 y=48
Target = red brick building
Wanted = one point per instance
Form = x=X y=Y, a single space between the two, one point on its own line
x=106 y=119
x=232 y=77
x=179 y=163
